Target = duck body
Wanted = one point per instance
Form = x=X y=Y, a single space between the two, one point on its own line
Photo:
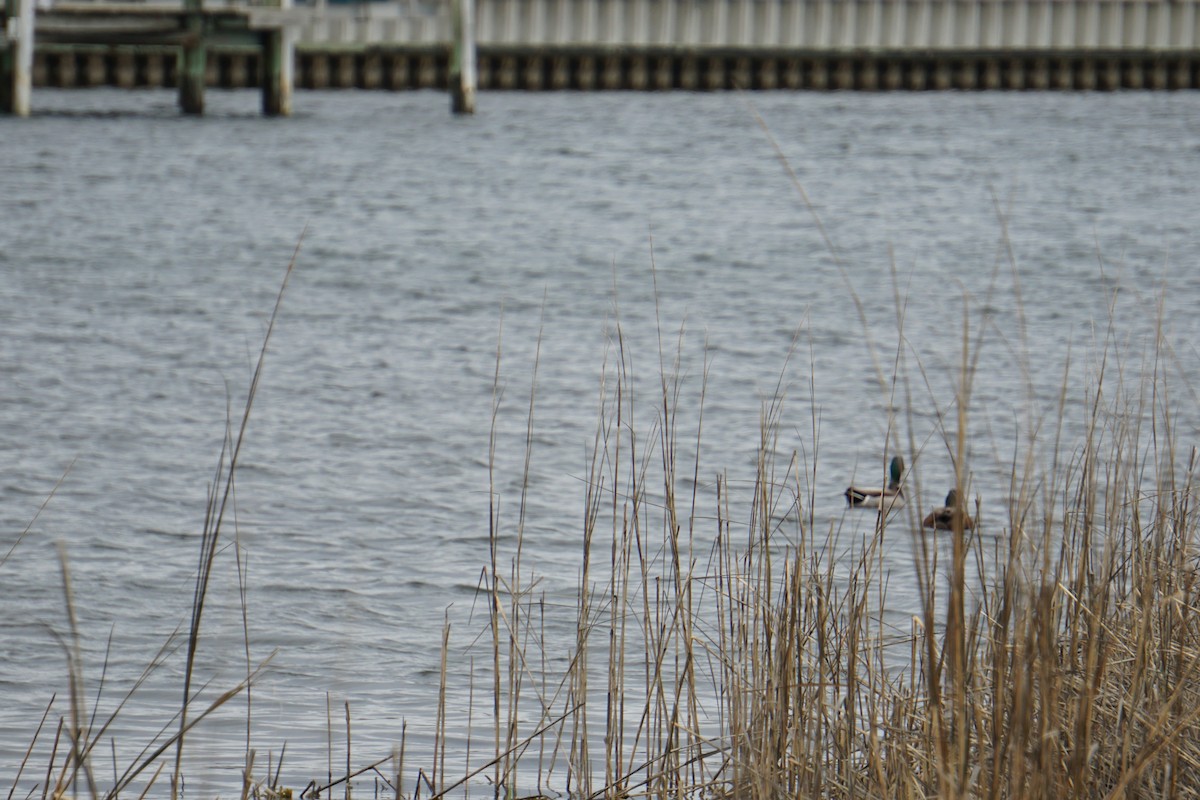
x=946 y=517
x=884 y=499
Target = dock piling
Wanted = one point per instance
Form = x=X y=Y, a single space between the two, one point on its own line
x=278 y=68
x=16 y=59
x=192 y=61
x=462 y=64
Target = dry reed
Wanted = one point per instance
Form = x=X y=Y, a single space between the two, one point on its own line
x=1059 y=659
x=716 y=655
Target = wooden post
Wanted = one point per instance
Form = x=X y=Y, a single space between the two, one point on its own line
x=192 y=61
x=278 y=60
x=462 y=63
x=16 y=61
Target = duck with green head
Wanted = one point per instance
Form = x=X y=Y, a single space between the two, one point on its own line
x=884 y=498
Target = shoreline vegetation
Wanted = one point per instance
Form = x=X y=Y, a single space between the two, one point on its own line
x=1055 y=655
x=722 y=651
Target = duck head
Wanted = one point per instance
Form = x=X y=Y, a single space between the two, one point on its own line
x=896 y=472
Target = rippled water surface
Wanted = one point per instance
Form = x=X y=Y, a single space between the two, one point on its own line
x=141 y=253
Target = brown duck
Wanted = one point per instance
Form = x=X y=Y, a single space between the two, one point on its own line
x=944 y=518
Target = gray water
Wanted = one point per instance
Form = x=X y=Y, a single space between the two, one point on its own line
x=141 y=253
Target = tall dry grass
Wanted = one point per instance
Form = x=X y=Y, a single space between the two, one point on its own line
x=70 y=769
x=720 y=652
x=1054 y=655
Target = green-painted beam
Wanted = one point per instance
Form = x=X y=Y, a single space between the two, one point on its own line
x=192 y=57
x=278 y=57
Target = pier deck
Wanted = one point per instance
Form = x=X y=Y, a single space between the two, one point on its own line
x=700 y=45
x=187 y=32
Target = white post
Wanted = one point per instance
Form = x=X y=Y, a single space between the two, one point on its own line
x=20 y=37
x=462 y=66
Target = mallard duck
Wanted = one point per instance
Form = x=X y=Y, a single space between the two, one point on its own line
x=886 y=499
x=943 y=519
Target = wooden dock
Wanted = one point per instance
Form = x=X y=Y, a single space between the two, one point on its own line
x=870 y=45
x=187 y=32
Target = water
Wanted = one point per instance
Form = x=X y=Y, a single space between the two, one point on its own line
x=141 y=253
